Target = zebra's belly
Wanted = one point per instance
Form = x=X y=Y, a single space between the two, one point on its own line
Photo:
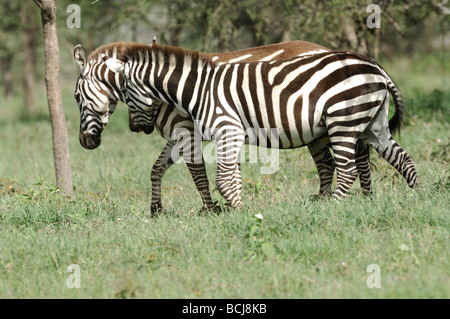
x=283 y=139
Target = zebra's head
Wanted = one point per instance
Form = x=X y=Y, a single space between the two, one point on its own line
x=142 y=108
x=141 y=118
x=97 y=92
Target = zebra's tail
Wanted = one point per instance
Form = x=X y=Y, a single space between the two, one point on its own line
x=395 y=122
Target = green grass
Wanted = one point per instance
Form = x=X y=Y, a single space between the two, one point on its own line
x=300 y=249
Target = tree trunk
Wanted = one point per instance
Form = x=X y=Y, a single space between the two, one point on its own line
x=7 y=77
x=57 y=119
x=29 y=47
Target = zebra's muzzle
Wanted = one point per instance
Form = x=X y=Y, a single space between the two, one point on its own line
x=90 y=141
x=147 y=129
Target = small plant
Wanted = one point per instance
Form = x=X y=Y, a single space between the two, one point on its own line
x=256 y=186
x=44 y=190
x=7 y=187
x=259 y=237
x=442 y=153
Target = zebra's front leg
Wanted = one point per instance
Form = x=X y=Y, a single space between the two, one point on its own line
x=228 y=177
x=189 y=146
x=161 y=165
x=229 y=184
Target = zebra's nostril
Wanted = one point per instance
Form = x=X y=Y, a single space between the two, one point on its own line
x=148 y=129
x=90 y=141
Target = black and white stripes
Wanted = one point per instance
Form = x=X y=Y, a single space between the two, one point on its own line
x=337 y=95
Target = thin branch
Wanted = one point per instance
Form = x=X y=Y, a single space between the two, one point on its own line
x=394 y=24
x=39 y=3
x=442 y=7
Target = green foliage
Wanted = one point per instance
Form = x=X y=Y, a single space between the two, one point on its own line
x=41 y=190
x=338 y=24
x=10 y=27
x=230 y=24
x=259 y=237
x=442 y=153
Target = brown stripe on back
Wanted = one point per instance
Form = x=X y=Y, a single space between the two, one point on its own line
x=130 y=50
x=291 y=49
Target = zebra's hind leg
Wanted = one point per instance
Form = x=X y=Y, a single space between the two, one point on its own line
x=321 y=154
x=344 y=157
x=388 y=148
x=362 y=165
x=379 y=137
x=324 y=161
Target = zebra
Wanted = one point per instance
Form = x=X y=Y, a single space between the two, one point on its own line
x=339 y=93
x=169 y=119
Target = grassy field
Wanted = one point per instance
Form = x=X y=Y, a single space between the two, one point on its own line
x=299 y=249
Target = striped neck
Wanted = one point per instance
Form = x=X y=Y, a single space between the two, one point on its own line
x=167 y=73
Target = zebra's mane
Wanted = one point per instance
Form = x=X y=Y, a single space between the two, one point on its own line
x=125 y=51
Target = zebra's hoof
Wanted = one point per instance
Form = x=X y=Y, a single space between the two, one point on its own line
x=215 y=208
x=315 y=198
x=156 y=210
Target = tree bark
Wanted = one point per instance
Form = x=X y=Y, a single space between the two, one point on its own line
x=57 y=119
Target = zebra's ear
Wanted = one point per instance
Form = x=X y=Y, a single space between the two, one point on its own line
x=153 y=41
x=114 y=65
x=79 y=54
